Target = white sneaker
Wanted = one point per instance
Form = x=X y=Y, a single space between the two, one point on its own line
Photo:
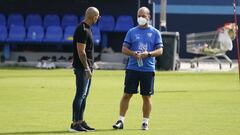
x=145 y=126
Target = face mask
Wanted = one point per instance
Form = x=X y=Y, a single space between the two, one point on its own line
x=142 y=21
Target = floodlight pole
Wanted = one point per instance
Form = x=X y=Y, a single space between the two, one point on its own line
x=237 y=41
x=139 y=3
x=163 y=15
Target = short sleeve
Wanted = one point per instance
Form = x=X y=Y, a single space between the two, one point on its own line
x=81 y=36
x=127 y=41
x=158 y=40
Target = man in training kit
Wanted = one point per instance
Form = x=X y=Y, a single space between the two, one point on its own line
x=83 y=66
x=142 y=44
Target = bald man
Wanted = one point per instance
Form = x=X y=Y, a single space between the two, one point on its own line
x=83 y=66
x=142 y=44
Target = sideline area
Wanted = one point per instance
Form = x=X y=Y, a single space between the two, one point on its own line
x=204 y=66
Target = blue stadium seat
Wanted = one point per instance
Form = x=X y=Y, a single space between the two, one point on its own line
x=33 y=20
x=3 y=33
x=51 y=20
x=16 y=34
x=69 y=20
x=96 y=34
x=15 y=20
x=124 y=23
x=68 y=34
x=35 y=33
x=53 y=34
x=2 y=20
x=106 y=23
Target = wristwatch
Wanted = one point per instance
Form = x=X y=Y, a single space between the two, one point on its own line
x=149 y=54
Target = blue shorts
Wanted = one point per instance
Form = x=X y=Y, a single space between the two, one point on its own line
x=133 y=78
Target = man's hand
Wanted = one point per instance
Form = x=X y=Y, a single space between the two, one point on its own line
x=88 y=73
x=137 y=55
x=144 y=54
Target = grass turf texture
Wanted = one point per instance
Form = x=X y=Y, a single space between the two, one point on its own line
x=34 y=102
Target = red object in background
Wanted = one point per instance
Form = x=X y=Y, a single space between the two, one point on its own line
x=238 y=51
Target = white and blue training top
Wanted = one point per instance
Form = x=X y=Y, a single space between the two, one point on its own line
x=139 y=39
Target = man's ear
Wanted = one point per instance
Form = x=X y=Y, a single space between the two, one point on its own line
x=149 y=17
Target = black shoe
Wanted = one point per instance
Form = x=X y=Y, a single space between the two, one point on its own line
x=77 y=128
x=118 y=125
x=85 y=125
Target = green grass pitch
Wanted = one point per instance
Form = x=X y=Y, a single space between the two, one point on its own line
x=38 y=102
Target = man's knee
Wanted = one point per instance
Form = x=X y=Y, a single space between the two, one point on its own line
x=146 y=98
x=127 y=96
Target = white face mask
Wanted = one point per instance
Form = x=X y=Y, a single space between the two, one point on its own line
x=142 y=21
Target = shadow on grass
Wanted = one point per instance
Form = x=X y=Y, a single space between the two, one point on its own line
x=34 y=132
x=57 y=132
x=115 y=130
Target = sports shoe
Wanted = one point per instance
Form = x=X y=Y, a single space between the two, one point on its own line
x=118 y=125
x=145 y=126
x=85 y=125
x=77 y=128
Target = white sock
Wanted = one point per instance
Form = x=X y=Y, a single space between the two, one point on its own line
x=121 y=118
x=145 y=120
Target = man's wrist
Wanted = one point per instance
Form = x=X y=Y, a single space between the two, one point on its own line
x=134 y=53
x=149 y=54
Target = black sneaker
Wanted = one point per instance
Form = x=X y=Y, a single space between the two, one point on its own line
x=77 y=128
x=145 y=126
x=85 y=125
x=118 y=125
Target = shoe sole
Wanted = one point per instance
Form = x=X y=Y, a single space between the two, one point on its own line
x=145 y=128
x=74 y=131
x=91 y=130
x=115 y=127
